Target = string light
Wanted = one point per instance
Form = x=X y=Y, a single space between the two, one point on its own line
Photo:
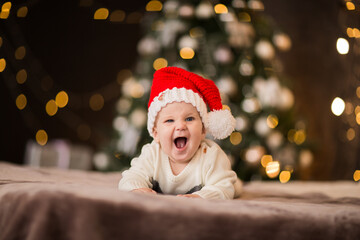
x=61 y=99
x=220 y=9
x=350 y=6
x=187 y=53
x=160 y=63
x=153 y=6
x=20 y=53
x=41 y=137
x=265 y=160
x=51 y=107
x=284 y=176
x=5 y=10
x=101 y=14
x=21 y=101
x=272 y=169
x=235 y=138
x=342 y=46
x=337 y=106
x=96 y=102
x=22 y=12
x=272 y=121
x=2 y=64
x=21 y=76
x=356 y=175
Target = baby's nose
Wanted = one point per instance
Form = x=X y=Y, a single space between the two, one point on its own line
x=181 y=125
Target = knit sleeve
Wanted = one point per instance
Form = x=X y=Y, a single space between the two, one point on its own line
x=219 y=179
x=141 y=171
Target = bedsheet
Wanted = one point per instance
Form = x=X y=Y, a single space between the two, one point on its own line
x=47 y=203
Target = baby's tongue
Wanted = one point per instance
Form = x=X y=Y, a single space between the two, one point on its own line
x=180 y=142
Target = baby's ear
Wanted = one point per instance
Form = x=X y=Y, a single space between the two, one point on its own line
x=156 y=135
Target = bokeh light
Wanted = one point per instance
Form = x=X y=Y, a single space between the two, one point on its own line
x=220 y=9
x=41 y=137
x=21 y=76
x=101 y=14
x=51 y=107
x=356 y=175
x=21 y=101
x=265 y=160
x=284 y=176
x=337 y=106
x=61 y=99
x=96 y=102
x=20 y=53
x=160 y=63
x=342 y=46
x=2 y=64
x=22 y=12
x=187 y=53
x=153 y=6
x=272 y=169
x=235 y=138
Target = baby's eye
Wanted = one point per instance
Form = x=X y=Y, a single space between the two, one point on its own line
x=169 y=120
x=189 y=119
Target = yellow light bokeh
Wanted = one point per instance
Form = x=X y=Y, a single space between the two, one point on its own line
x=187 y=53
x=291 y=135
x=272 y=121
x=62 y=99
x=101 y=14
x=117 y=16
x=137 y=90
x=20 y=53
x=284 y=176
x=96 y=102
x=244 y=17
x=41 y=137
x=356 y=175
x=5 y=10
x=350 y=134
x=2 y=64
x=51 y=107
x=265 y=160
x=350 y=6
x=299 y=137
x=21 y=76
x=272 y=169
x=21 y=101
x=357 y=110
x=358 y=92
x=154 y=6
x=226 y=107
x=22 y=12
x=220 y=9
x=235 y=138
x=358 y=118
x=160 y=63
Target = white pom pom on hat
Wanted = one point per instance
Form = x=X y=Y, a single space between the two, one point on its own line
x=173 y=84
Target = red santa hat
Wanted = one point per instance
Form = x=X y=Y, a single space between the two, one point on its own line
x=173 y=84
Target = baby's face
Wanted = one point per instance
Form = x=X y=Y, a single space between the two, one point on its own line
x=179 y=130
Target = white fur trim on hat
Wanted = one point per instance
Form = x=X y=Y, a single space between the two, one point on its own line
x=175 y=95
x=221 y=123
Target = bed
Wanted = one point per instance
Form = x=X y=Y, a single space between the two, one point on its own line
x=49 y=203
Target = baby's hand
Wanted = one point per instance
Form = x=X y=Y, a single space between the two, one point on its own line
x=189 y=195
x=144 y=190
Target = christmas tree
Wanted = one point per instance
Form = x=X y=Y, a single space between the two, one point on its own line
x=234 y=44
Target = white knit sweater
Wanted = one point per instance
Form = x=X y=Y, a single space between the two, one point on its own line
x=208 y=174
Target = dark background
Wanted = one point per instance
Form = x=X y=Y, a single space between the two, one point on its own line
x=83 y=55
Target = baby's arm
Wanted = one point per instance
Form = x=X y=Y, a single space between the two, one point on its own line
x=137 y=177
x=219 y=179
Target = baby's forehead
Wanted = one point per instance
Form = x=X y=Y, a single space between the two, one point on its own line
x=178 y=107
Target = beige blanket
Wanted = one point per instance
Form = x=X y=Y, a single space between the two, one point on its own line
x=43 y=203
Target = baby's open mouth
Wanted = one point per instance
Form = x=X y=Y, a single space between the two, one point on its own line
x=180 y=142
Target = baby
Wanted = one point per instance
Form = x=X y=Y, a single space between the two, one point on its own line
x=180 y=160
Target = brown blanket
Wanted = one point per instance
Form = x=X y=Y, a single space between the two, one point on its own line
x=43 y=203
